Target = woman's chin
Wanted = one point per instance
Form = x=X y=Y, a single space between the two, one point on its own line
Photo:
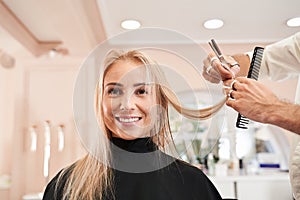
x=131 y=135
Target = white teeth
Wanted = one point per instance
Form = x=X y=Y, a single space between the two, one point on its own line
x=128 y=120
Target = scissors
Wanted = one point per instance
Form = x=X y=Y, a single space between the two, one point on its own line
x=219 y=54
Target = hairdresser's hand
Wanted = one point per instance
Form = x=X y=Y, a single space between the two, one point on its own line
x=214 y=72
x=252 y=99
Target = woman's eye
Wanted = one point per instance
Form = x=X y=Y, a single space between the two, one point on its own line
x=115 y=92
x=141 y=91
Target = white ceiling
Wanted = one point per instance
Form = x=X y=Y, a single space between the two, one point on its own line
x=245 y=21
x=76 y=24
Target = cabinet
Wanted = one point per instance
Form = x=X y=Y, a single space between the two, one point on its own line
x=259 y=187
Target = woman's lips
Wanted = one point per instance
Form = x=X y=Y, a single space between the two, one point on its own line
x=128 y=120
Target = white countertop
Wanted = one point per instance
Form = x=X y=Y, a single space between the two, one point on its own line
x=253 y=177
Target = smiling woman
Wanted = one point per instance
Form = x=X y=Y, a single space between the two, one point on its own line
x=128 y=99
x=132 y=99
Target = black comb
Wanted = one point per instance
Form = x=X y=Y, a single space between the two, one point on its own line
x=253 y=73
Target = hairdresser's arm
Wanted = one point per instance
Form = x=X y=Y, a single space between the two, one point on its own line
x=255 y=101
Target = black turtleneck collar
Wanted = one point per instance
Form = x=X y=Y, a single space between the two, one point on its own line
x=139 y=145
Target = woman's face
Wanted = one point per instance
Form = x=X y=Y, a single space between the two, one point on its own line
x=129 y=100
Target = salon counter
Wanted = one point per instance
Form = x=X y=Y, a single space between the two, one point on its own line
x=269 y=186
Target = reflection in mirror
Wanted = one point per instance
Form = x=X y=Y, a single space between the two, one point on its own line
x=195 y=139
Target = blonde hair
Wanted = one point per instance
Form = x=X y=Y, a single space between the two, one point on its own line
x=89 y=178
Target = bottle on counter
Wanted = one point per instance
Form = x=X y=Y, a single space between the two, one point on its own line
x=211 y=164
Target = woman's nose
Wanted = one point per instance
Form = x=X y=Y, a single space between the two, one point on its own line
x=127 y=102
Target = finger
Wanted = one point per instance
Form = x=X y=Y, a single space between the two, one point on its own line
x=233 y=84
x=215 y=73
x=210 y=78
x=213 y=58
x=211 y=55
x=206 y=61
x=230 y=94
x=235 y=69
x=209 y=70
x=234 y=66
x=220 y=71
x=227 y=82
x=207 y=66
x=243 y=79
x=230 y=102
x=225 y=74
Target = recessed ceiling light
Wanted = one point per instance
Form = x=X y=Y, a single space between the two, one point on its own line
x=213 y=24
x=130 y=24
x=294 y=22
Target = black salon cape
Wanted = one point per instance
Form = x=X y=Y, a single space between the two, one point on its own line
x=177 y=181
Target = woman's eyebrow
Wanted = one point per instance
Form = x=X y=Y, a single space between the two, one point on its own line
x=114 y=83
x=121 y=85
x=139 y=84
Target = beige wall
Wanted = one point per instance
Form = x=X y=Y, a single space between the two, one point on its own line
x=31 y=93
x=7 y=89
